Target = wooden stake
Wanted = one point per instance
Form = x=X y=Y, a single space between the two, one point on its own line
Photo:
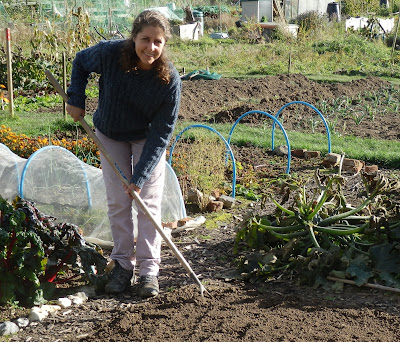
x=395 y=37
x=373 y=286
x=64 y=84
x=9 y=72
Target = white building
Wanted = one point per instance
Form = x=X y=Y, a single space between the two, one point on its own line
x=269 y=9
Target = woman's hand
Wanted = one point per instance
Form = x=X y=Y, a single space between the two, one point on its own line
x=75 y=112
x=130 y=188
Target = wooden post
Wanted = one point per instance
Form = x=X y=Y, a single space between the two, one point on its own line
x=290 y=61
x=64 y=83
x=395 y=37
x=9 y=72
x=110 y=21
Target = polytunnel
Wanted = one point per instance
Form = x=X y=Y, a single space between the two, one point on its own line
x=72 y=191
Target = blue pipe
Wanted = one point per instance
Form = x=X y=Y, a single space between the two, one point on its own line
x=311 y=106
x=223 y=139
x=21 y=185
x=275 y=121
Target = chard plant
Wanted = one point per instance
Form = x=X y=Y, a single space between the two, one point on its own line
x=35 y=252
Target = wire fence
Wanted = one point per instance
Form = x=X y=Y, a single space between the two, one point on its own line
x=104 y=14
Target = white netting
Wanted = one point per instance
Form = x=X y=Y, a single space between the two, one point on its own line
x=63 y=186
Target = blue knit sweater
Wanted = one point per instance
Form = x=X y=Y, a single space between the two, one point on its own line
x=132 y=105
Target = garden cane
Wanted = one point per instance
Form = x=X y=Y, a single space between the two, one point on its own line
x=137 y=198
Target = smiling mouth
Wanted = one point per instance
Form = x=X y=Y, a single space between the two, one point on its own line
x=148 y=55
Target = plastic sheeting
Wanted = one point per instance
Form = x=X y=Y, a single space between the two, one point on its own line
x=63 y=186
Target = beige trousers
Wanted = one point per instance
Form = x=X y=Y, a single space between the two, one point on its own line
x=148 y=240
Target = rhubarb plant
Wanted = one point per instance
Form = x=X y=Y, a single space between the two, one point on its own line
x=35 y=251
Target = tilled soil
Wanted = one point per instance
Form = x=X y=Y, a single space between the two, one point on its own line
x=232 y=309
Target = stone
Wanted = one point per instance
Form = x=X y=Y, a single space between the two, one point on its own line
x=51 y=308
x=281 y=150
x=22 y=322
x=37 y=314
x=228 y=201
x=216 y=193
x=78 y=298
x=64 y=302
x=8 y=328
x=328 y=164
x=194 y=196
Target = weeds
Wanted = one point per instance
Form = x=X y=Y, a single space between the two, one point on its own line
x=202 y=166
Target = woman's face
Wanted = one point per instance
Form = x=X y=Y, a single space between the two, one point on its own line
x=149 y=44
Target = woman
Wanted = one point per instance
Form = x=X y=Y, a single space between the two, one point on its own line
x=137 y=110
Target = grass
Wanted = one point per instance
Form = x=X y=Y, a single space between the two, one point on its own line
x=36 y=124
x=383 y=152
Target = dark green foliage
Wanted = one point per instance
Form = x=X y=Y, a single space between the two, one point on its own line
x=29 y=71
x=34 y=250
x=321 y=234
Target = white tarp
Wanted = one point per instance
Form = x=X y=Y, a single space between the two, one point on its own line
x=357 y=23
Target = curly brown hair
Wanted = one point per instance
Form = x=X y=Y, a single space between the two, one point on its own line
x=129 y=58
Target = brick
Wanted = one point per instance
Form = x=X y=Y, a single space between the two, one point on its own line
x=312 y=154
x=328 y=164
x=183 y=221
x=299 y=153
x=352 y=165
x=371 y=169
x=171 y=225
x=215 y=206
x=333 y=157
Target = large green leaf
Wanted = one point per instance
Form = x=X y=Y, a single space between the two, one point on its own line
x=386 y=258
x=359 y=270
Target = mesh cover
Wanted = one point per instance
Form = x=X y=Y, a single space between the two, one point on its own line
x=63 y=186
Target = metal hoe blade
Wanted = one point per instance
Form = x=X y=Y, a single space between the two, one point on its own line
x=123 y=179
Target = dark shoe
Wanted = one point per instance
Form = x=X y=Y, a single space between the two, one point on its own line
x=120 y=279
x=148 y=286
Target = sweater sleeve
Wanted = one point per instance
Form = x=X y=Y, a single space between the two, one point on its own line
x=86 y=61
x=162 y=127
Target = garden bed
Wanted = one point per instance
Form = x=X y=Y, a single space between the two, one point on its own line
x=274 y=309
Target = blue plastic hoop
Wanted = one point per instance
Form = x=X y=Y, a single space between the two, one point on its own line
x=275 y=121
x=311 y=106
